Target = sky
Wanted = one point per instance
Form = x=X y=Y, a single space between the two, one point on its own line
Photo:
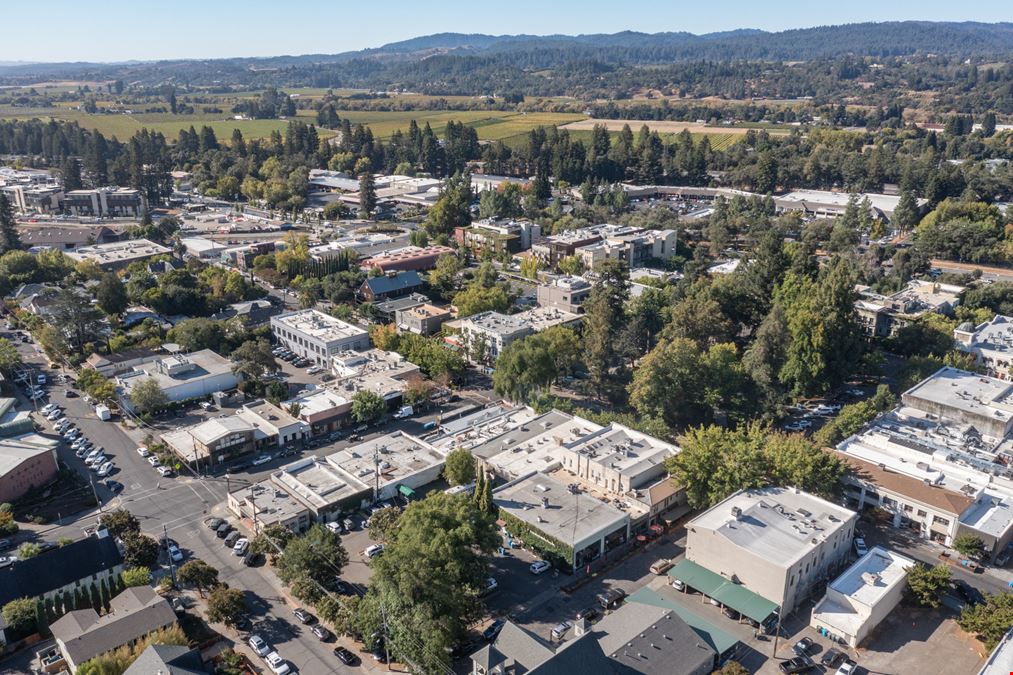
x=121 y=30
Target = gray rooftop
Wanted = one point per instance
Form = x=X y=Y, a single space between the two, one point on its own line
x=653 y=640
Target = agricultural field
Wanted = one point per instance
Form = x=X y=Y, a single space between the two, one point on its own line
x=491 y=124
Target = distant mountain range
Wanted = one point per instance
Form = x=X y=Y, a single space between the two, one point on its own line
x=907 y=38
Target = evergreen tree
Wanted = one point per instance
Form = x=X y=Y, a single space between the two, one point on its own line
x=94 y=598
x=367 y=195
x=71 y=173
x=41 y=618
x=905 y=216
x=9 y=239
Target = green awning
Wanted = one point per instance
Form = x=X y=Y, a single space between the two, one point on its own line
x=729 y=594
x=406 y=491
x=718 y=639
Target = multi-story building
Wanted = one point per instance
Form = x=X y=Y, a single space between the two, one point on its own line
x=484 y=335
x=421 y=320
x=550 y=250
x=883 y=316
x=317 y=336
x=497 y=236
x=832 y=204
x=778 y=542
x=632 y=246
x=106 y=202
x=565 y=293
x=389 y=286
x=991 y=344
x=940 y=463
x=34 y=198
x=26 y=462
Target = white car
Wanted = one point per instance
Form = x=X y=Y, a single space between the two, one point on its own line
x=539 y=566
x=92 y=454
x=277 y=664
x=847 y=668
x=48 y=408
x=54 y=415
x=164 y=471
x=153 y=461
x=259 y=645
x=95 y=462
x=104 y=470
x=71 y=433
x=240 y=546
x=143 y=451
x=77 y=444
x=263 y=459
x=860 y=547
x=373 y=551
x=175 y=553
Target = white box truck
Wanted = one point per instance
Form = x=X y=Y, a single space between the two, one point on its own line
x=103 y=412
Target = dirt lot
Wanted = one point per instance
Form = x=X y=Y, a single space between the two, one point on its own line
x=663 y=127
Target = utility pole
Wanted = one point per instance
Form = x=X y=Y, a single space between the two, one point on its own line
x=172 y=565
x=376 y=473
x=91 y=481
x=253 y=502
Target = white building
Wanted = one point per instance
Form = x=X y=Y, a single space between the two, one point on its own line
x=858 y=600
x=559 y=519
x=778 y=542
x=883 y=315
x=317 y=336
x=991 y=344
x=940 y=463
x=205 y=249
x=484 y=335
x=395 y=464
x=120 y=254
x=181 y=376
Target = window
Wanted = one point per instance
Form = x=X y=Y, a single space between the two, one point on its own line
x=940 y=520
x=921 y=513
x=907 y=507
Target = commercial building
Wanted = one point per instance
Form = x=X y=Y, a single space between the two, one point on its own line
x=515 y=650
x=480 y=182
x=653 y=640
x=565 y=293
x=778 y=542
x=550 y=250
x=362 y=245
x=940 y=463
x=484 y=335
x=883 y=316
x=392 y=465
x=991 y=344
x=826 y=204
x=422 y=319
x=317 y=336
x=26 y=462
x=571 y=528
x=515 y=445
x=120 y=254
x=265 y=503
x=137 y=612
x=541 y=318
x=203 y=249
x=120 y=362
x=632 y=246
x=386 y=311
x=322 y=408
x=500 y=237
x=858 y=600
x=106 y=202
x=256 y=426
x=76 y=565
x=407 y=258
x=390 y=285
x=41 y=237
x=323 y=488
x=181 y=376
x=26 y=199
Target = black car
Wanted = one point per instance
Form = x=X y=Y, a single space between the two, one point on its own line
x=70 y=393
x=345 y=656
x=731 y=613
x=223 y=530
x=799 y=664
x=611 y=598
x=803 y=646
x=114 y=486
x=342 y=587
x=304 y=616
x=969 y=593
x=832 y=658
x=213 y=523
x=166 y=542
x=243 y=623
x=251 y=559
x=493 y=630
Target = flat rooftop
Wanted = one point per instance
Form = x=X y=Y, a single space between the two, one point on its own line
x=400 y=455
x=471 y=431
x=318 y=401
x=550 y=508
x=965 y=391
x=889 y=569
x=991 y=514
x=496 y=323
x=170 y=371
x=536 y=446
x=318 y=325
x=426 y=311
x=274 y=504
x=882 y=202
x=317 y=482
x=626 y=451
x=540 y=318
x=14 y=451
x=995 y=336
x=119 y=251
x=571 y=283
x=775 y=523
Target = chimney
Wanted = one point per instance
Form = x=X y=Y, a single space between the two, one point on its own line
x=736 y=512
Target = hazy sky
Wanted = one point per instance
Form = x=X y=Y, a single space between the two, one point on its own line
x=117 y=30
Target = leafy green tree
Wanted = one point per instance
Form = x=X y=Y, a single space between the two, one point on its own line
x=271 y=540
x=459 y=468
x=571 y=265
x=276 y=392
x=476 y=299
x=853 y=417
x=452 y=209
x=198 y=574
x=111 y=294
x=74 y=313
x=140 y=550
x=136 y=576
x=315 y=555
x=7 y=525
x=969 y=546
x=196 y=334
x=928 y=584
x=10 y=358
x=384 y=522
x=147 y=397
x=367 y=406
x=443 y=277
x=733 y=668
x=523 y=368
x=28 y=550
x=226 y=605
x=905 y=216
x=990 y=620
x=253 y=358
x=9 y=238
x=20 y=614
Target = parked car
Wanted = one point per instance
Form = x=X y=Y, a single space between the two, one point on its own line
x=345 y=656
x=849 y=667
x=153 y=461
x=969 y=593
x=304 y=616
x=860 y=547
x=611 y=598
x=239 y=548
x=803 y=646
x=231 y=538
x=105 y=469
x=831 y=658
x=213 y=523
x=661 y=566
x=5 y=544
x=373 y=551
x=223 y=529
x=799 y=664
x=277 y=664
x=731 y=613
x=114 y=486
x=539 y=566
x=493 y=629
x=259 y=645
x=677 y=584
x=490 y=585
x=589 y=614
x=263 y=459
x=143 y=451
x=251 y=559
x=348 y=524
x=175 y=554
x=322 y=633
x=164 y=471
x=561 y=629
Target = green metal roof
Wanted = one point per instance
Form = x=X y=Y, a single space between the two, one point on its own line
x=720 y=640
x=729 y=594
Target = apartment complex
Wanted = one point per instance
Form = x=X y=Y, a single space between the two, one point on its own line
x=991 y=344
x=778 y=542
x=883 y=315
x=565 y=293
x=317 y=336
x=497 y=236
x=106 y=202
